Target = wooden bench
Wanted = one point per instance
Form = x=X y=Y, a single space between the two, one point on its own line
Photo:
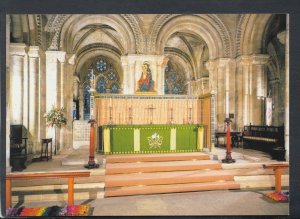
x=29 y=176
x=269 y=139
x=278 y=172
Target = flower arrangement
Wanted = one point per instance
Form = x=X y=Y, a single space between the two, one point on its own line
x=56 y=117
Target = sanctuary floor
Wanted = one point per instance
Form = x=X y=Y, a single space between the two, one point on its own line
x=222 y=202
x=190 y=203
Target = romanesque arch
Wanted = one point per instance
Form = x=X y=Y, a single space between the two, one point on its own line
x=212 y=30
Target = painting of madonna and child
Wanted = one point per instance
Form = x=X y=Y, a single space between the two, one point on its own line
x=150 y=114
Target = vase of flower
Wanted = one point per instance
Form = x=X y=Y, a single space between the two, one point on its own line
x=56 y=118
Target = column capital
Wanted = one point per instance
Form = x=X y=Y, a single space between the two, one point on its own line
x=222 y=62
x=34 y=52
x=71 y=58
x=260 y=59
x=18 y=49
x=211 y=64
x=244 y=59
x=54 y=56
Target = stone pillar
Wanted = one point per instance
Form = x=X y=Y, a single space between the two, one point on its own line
x=26 y=93
x=211 y=66
x=259 y=88
x=287 y=95
x=225 y=90
x=222 y=94
x=275 y=94
x=67 y=100
x=53 y=89
x=126 y=75
x=17 y=54
x=41 y=98
x=34 y=66
x=242 y=93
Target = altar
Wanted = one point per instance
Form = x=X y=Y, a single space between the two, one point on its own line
x=152 y=124
x=152 y=138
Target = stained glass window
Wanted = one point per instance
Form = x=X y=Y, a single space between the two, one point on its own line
x=86 y=96
x=175 y=83
x=115 y=88
x=101 y=65
x=101 y=85
x=111 y=75
x=107 y=80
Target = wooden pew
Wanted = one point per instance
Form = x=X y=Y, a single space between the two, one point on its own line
x=269 y=139
x=29 y=176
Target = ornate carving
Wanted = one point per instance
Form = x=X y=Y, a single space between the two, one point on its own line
x=39 y=25
x=156 y=25
x=239 y=32
x=136 y=25
x=225 y=35
x=54 y=25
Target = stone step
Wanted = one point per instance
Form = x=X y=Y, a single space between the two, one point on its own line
x=179 y=177
x=157 y=189
x=121 y=168
x=55 y=195
x=260 y=181
x=132 y=158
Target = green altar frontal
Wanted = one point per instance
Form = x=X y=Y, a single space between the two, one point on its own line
x=129 y=139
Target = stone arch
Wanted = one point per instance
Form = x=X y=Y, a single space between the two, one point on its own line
x=183 y=59
x=250 y=31
x=63 y=27
x=209 y=27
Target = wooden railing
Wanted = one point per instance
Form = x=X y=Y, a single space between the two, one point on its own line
x=277 y=167
x=29 y=176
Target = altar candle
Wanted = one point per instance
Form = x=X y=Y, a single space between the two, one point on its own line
x=110 y=102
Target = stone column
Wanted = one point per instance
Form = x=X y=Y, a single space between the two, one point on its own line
x=259 y=89
x=126 y=75
x=25 y=94
x=275 y=89
x=17 y=54
x=67 y=100
x=160 y=75
x=222 y=94
x=33 y=95
x=53 y=89
x=132 y=79
x=211 y=66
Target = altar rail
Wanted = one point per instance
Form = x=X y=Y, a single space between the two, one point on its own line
x=29 y=176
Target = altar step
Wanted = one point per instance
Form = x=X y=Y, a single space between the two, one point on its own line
x=164 y=173
x=171 y=188
x=163 y=166
x=132 y=158
x=182 y=172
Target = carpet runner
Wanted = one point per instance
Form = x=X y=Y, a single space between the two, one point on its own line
x=74 y=210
